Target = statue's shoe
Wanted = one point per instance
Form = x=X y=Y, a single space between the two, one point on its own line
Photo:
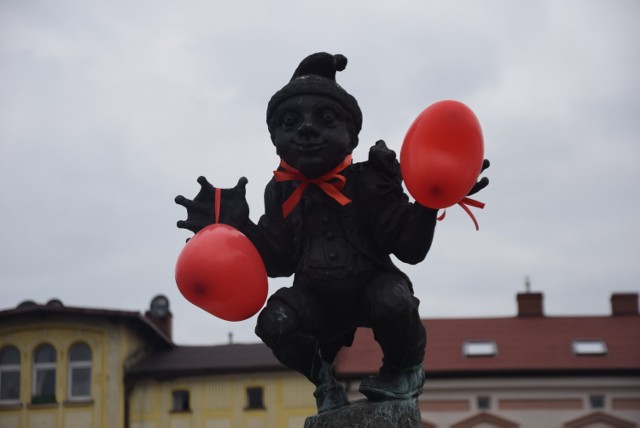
x=394 y=383
x=330 y=396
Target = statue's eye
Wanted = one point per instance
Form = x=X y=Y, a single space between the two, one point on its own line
x=329 y=116
x=288 y=120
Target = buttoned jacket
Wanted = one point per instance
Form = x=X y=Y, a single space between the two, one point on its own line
x=379 y=221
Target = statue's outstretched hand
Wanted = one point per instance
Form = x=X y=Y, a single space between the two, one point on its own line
x=483 y=182
x=234 y=209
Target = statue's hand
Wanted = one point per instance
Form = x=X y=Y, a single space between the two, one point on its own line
x=234 y=209
x=483 y=182
x=385 y=159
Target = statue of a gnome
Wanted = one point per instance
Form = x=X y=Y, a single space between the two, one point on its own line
x=332 y=224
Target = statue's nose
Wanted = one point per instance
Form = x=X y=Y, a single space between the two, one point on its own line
x=306 y=128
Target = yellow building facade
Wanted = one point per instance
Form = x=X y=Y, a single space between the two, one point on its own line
x=223 y=401
x=64 y=367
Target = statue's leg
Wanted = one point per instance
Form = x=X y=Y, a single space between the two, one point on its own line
x=289 y=334
x=279 y=328
x=392 y=312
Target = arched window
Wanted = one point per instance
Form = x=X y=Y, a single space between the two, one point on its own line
x=79 y=381
x=9 y=375
x=44 y=375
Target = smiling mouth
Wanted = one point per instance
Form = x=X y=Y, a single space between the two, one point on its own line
x=309 y=147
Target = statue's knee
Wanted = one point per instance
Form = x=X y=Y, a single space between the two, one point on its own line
x=393 y=301
x=275 y=323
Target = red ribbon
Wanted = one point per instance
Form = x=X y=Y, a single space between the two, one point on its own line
x=331 y=183
x=465 y=203
x=216 y=203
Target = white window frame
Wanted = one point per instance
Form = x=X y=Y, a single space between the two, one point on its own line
x=42 y=367
x=81 y=364
x=11 y=368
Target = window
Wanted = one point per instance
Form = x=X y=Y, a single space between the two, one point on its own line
x=44 y=375
x=596 y=401
x=180 y=401
x=255 y=398
x=479 y=348
x=79 y=374
x=589 y=347
x=9 y=375
x=484 y=402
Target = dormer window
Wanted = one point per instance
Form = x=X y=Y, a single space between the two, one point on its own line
x=589 y=347
x=480 y=348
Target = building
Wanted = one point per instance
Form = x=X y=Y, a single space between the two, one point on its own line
x=66 y=367
x=530 y=370
x=227 y=386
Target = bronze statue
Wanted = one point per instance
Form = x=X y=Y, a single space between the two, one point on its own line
x=332 y=224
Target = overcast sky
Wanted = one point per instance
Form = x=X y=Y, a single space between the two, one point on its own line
x=110 y=109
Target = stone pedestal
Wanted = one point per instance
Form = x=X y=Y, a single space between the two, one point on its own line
x=367 y=414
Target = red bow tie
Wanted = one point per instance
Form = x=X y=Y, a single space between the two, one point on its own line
x=331 y=183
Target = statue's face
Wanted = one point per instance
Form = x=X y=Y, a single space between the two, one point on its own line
x=311 y=134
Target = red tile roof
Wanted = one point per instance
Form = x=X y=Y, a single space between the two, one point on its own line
x=524 y=345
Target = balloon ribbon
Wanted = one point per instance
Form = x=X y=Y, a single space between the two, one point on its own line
x=465 y=203
x=331 y=183
x=217 y=204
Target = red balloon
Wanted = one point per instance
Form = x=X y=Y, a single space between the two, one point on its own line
x=442 y=153
x=220 y=271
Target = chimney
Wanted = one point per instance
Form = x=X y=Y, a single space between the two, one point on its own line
x=624 y=304
x=530 y=305
x=160 y=315
x=163 y=323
